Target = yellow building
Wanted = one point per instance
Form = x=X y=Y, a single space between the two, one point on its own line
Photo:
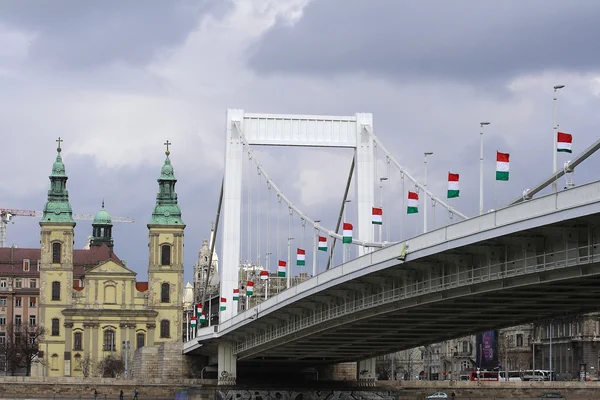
x=90 y=314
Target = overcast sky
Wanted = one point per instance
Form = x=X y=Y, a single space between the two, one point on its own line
x=116 y=79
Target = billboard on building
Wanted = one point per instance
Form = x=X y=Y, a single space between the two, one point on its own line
x=487 y=350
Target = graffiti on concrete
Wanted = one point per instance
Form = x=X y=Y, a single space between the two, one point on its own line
x=293 y=395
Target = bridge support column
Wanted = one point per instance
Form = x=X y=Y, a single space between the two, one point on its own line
x=227 y=364
x=365 y=174
x=366 y=372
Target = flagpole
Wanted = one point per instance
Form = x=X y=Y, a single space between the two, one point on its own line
x=187 y=327
x=383 y=178
x=555 y=134
x=481 y=125
x=425 y=194
x=315 y=244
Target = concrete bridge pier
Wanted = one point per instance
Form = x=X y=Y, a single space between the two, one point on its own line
x=227 y=364
x=366 y=373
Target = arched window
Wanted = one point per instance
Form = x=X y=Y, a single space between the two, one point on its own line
x=77 y=341
x=56 y=250
x=140 y=340
x=165 y=254
x=54 y=363
x=55 y=327
x=77 y=362
x=56 y=291
x=109 y=340
x=165 y=326
x=165 y=296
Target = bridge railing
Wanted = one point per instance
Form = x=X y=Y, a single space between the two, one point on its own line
x=569 y=257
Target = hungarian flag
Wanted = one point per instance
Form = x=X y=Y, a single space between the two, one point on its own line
x=198 y=309
x=453 y=190
x=300 y=257
x=249 y=288
x=193 y=321
x=347 y=233
x=413 y=203
x=281 y=269
x=223 y=304
x=502 y=166
x=565 y=140
x=376 y=215
x=322 y=243
x=202 y=317
x=236 y=294
x=264 y=275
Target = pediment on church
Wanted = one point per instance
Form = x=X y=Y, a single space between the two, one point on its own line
x=110 y=268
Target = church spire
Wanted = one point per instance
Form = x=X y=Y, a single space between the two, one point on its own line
x=58 y=208
x=166 y=211
x=102 y=228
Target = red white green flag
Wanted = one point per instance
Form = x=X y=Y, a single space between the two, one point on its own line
x=413 y=203
x=453 y=190
x=236 y=294
x=223 y=304
x=376 y=216
x=193 y=321
x=502 y=166
x=322 y=243
x=565 y=140
x=281 y=267
x=264 y=275
x=249 y=288
x=202 y=317
x=198 y=309
x=347 y=233
x=300 y=257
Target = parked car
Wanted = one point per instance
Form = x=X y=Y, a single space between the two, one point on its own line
x=551 y=396
x=438 y=395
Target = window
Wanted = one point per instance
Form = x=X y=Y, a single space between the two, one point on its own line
x=18 y=283
x=3 y=320
x=32 y=320
x=18 y=302
x=519 y=339
x=3 y=301
x=140 y=340
x=38 y=265
x=3 y=283
x=55 y=327
x=2 y=337
x=77 y=341
x=56 y=291
x=56 y=250
x=18 y=320
x=32 y=284
x=164 y=328
x=54 y=363
x=109 y=340
x=165 y=254
x=26 y=265
x=164 y=293
x=32 y=302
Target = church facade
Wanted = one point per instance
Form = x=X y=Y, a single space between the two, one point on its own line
x=91 y=312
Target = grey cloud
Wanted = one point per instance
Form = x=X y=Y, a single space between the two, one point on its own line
x=459 y=40
x=86 y=34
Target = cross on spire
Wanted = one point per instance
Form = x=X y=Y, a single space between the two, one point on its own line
x=59 y=140
x=167 y=143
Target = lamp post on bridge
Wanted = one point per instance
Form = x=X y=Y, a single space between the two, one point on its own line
x=425 y=194
x=481 y=125
x=381 y=180
x=289 y=263
x=555 y=134
x=343 y=222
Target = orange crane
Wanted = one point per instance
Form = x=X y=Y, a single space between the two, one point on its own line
x=6 y=215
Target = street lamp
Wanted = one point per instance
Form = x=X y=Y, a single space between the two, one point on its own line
x=481 y=125
x=428 y=153
x=315 y=245
x=289 y=263
x=555 y=134
x=381 y=180
x=126 y=349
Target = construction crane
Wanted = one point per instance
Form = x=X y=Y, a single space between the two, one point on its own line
x=6 y=215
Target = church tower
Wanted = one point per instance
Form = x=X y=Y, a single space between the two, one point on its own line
x=102 y=229
x=165 y=267
x=56 y=269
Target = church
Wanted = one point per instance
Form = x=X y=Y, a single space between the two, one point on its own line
x=91 y=311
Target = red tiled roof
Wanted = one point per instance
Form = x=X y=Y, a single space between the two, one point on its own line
x=141 y=286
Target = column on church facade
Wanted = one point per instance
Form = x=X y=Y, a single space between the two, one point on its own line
x=151 y=328
x=87 y=338
x=95 y=343
x=68 y=348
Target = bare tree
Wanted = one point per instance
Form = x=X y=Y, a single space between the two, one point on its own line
x=28 y=344
x=112 y=366
x=406 y=363
x=383 y=367
x=85 y=364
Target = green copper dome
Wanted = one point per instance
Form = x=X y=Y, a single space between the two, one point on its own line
x=102 y=217
x=57 y=208
x=166 y=210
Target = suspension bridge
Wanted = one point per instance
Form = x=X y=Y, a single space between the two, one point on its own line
x=300 y=291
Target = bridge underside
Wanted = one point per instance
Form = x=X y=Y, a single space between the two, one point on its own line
x=549 y=269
